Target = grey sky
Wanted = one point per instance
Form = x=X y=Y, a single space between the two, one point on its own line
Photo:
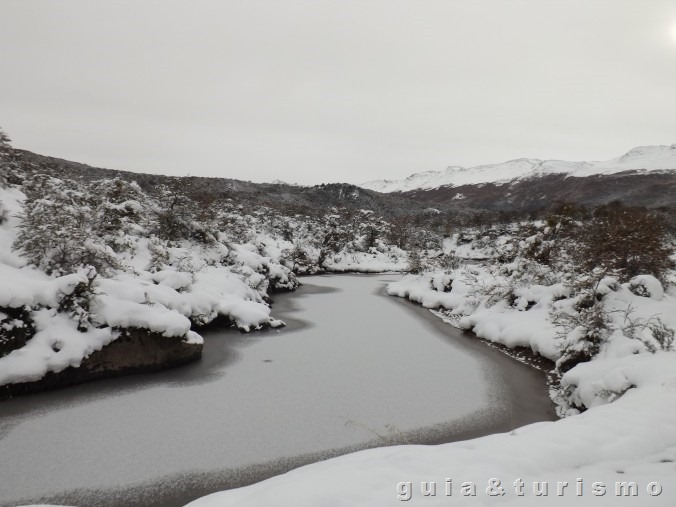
x=335 y=90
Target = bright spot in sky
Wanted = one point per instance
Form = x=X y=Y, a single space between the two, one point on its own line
x=673 y=31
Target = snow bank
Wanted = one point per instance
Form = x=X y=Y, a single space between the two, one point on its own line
x=501 y=324
x=647 y=285
x=522 y=315
x=367 y=262
x=525 y=323
x=30 y=287
x=56 y=345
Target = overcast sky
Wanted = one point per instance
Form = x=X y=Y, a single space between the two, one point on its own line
x=335 y=90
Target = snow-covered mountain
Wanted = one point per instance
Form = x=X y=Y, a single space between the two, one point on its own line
x=642 y=158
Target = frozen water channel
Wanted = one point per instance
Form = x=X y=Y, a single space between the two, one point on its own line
x=353 y=368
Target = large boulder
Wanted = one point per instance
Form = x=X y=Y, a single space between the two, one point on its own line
x=136 y=351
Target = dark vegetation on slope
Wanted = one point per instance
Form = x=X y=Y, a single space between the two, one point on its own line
x=289 y=198
x=654 y=190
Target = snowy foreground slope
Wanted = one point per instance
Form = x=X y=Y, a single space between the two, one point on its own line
x=643 y=158
x=616 y=444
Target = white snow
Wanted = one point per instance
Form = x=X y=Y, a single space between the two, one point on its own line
x=643 y=158
x=650 y=286
x=56 y=345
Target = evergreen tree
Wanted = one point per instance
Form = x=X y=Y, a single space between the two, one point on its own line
x=10 y=173
x=57 y=232
x=415 y=262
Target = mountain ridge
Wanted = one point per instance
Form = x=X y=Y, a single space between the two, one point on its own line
x=641 y=159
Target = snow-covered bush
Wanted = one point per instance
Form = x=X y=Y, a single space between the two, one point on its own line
x=4 y=213
x=416 y=264
x=10 y=173
x=582 y=321
x=16 y=328
x=662 y=334
x=77 y=302
x=120 y=213
x=297 y=258
x=646 y=286
x=57 y=230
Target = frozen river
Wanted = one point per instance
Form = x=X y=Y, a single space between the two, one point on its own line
x=353 y=368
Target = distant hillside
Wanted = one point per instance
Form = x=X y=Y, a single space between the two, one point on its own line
x=517 y=187
x=652 y=190
x=307 y=200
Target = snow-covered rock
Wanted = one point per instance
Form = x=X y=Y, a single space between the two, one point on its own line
x=647 y=285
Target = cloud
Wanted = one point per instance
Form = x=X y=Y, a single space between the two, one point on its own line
x=334 y=90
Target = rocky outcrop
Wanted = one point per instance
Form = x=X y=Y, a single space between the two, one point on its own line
x=136 y=351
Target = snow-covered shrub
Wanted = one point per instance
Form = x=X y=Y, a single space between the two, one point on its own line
x=416 y=263
x=77 y=304
x=120 y=212
x=336 y=238
x=297 y=258
x=181 y=214
x=441 y=282
x=16 y=328
x=449 y=261
x=10 y=174
x=583 y=321
x=159 y=255
x=630 y=241
x=4 y=213
x=662 y=334
x=57 y=228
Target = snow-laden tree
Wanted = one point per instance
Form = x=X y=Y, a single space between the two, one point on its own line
x=10 y=173
x=183 y=213
x=415 y=264
x=57 y=232
x=120 y=212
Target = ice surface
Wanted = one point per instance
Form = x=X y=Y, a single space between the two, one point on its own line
x=633 y=439
x=289 y=392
